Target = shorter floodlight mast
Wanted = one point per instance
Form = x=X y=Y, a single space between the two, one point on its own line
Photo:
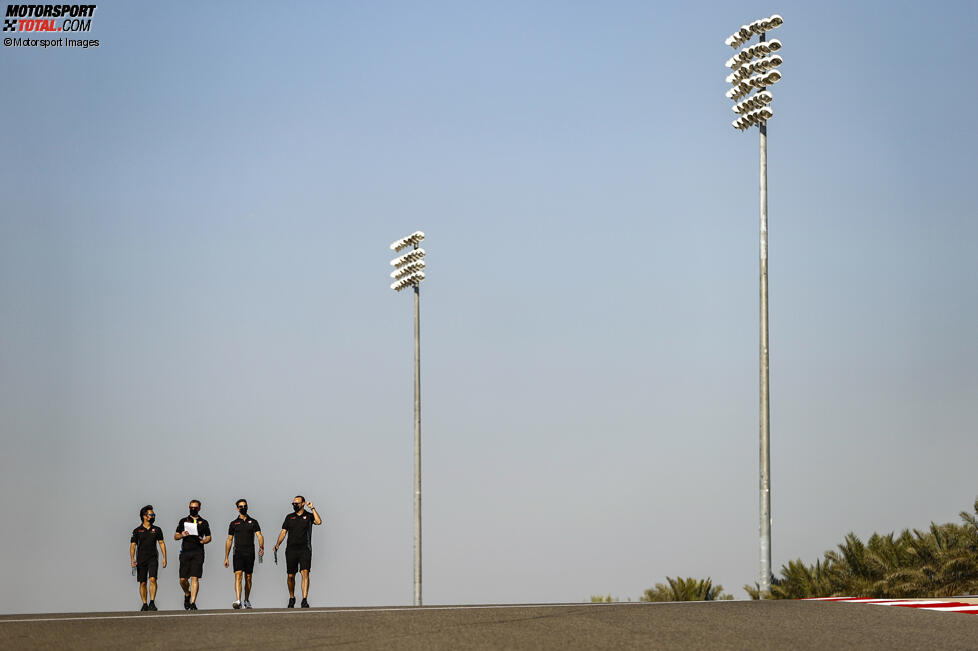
x=408 y=272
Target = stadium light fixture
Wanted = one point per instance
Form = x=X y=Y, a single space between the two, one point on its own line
x=755 y=68
x=413 y=239
x=757 y=101
x=408 y=270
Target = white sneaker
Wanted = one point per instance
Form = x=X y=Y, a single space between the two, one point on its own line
x=247 y=604
x=236 y=605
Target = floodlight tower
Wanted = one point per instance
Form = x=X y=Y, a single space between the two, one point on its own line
x=755 y=68
x=409 y=272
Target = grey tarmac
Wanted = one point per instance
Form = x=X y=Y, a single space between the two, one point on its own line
x=690 y=625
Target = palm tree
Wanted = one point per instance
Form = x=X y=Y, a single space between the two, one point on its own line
x=946 y=563
x=853 y=567
x=799 y=581
x=688 y=589
x=941 y=561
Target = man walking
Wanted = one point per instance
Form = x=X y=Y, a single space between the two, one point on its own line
x=242 y=531
x=195 y=532
x=143 y=556
x=298 y=553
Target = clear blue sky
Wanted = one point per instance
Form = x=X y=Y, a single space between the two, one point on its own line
x=194 y=297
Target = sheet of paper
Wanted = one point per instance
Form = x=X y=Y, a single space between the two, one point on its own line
x=190 y=528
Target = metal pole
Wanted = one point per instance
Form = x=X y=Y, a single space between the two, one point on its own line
x=417 y=444
x=765 y=406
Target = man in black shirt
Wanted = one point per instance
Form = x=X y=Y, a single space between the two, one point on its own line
x=242 y=531
x=298 y=553
x=195 y=532
x=143 y=556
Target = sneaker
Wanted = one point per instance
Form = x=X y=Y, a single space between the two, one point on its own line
x=186 y=602
x=193 y=606
x=144 y=608
x=152 y=605
x=247 y=604
x=236 y=605
x=291 y=602
x=305 y=604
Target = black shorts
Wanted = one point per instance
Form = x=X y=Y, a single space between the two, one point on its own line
x=296 y=560
x=244 y=561
x=191 y=564
x=149 y=567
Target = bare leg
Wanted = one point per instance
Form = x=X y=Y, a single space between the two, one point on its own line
x=142 y=591
x=237 y=585
x=305 y=583
x=247 y=587
x=152 y=588
x=290 y=581
x=185 y=584
x=194 y=587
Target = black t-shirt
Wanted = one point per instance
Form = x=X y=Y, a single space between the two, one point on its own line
x=244 y=534
x=299 y=527
x=145 y=540
x=192 y=543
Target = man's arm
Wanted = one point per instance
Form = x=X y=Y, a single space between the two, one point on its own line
x=227 y=549
x=132 y=553
x=315 y=514
x=261 y=543
x=163 y=549
x=180 y=534
x=206 y=537
x=281 y=537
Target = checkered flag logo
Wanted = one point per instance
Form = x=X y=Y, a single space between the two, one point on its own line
x=9 y=25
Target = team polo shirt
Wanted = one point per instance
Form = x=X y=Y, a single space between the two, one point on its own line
x=244 y=531
x=192 y=543
x=299 y=527
x=145 y=540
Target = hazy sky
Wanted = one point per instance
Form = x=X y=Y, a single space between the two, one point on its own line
x=194 y=296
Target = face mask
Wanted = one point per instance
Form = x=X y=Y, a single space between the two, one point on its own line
x=296 y=507
x=194 y=510
x=152 y=519
x=242 y=510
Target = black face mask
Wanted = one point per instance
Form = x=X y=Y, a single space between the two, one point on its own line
x=194 y=510
x=151 y=519
x=243 y=510
x=296 y=507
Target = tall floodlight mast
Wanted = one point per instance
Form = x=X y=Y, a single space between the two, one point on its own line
x=409 y=272
x=754 y=68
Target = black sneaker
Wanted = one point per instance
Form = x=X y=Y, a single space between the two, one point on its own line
x=193 y=606
x=305 y=604
x=291 y=602
x=144 y=608
x=152 y=605
x=186 y=602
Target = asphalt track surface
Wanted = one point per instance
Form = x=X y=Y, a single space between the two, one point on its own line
x=691 y=625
